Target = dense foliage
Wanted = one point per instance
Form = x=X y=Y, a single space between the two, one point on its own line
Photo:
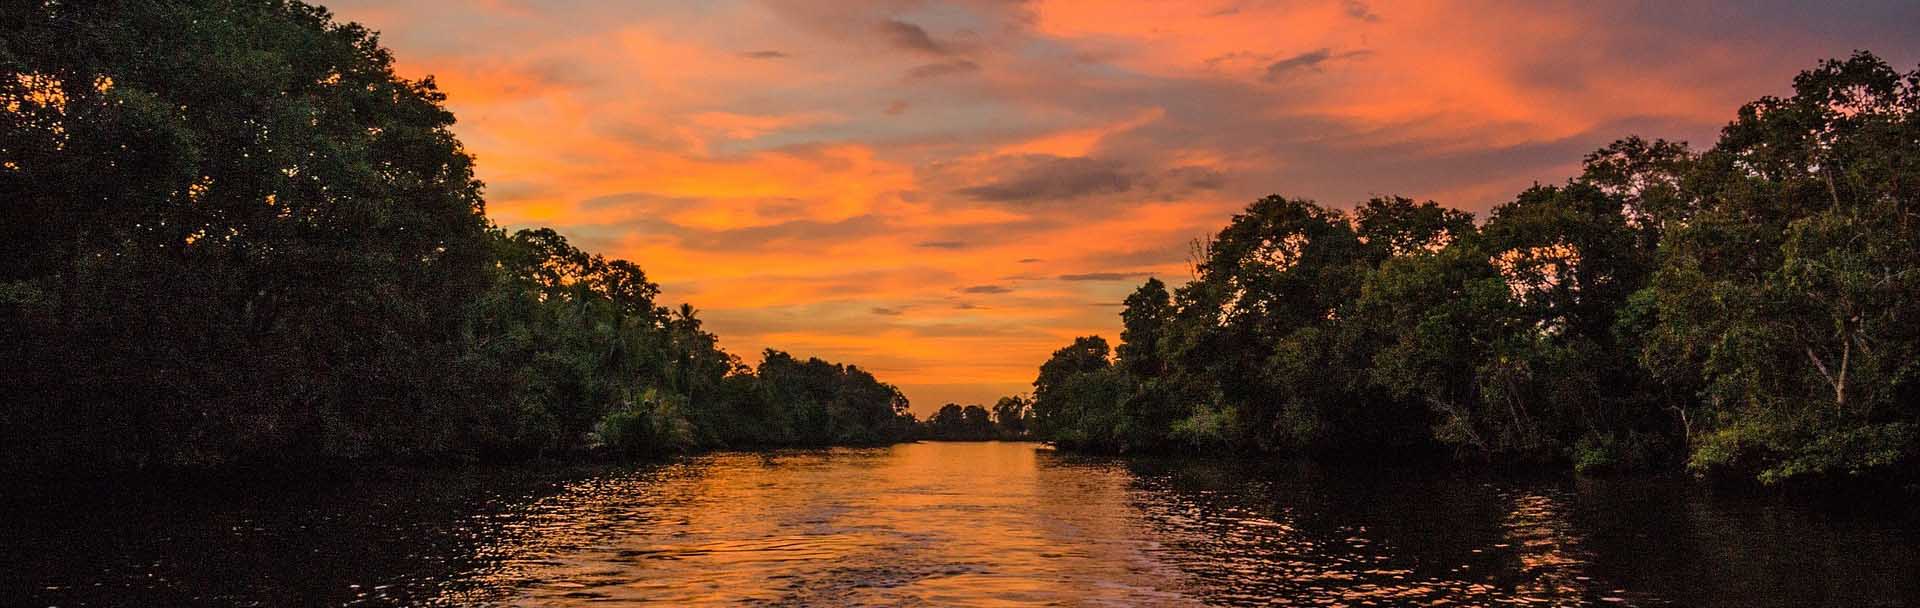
x=233 y=235
x=1750 y=309
x=1008 y=419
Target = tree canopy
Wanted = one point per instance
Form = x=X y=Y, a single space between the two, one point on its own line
x=1743 y=310
x=235 y=236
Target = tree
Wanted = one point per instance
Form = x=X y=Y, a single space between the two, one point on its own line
x=1012 y=416
x=1052 y=399
x=237 y=211
x=1396 y=226
x=1787 y=282
x=955 y=422
x=1745 y=302
x=235 y=236
x=1144 y=319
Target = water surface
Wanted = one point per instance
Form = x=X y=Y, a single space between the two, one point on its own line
x=946 y=524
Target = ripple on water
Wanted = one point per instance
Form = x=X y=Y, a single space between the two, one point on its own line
x=957 y=525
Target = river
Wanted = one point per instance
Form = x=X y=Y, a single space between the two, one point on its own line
x=955 y=524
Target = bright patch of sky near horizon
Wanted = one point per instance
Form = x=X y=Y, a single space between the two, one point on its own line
x=945 y=192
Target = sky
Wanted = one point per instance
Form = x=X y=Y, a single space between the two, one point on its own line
x=944 y=192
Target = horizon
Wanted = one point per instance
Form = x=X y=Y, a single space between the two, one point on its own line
x=945 y=192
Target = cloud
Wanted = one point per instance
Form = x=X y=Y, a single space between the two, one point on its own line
x=941 y=244
x=1103 y=276
x=889 y=312
x=1359 y=10
x=944 y=68
x=986 y=289
x=1040 y=178
x=1308 y=61
x=771 y=237
x=747 y=156
x=1180 y=182
x=911 y=37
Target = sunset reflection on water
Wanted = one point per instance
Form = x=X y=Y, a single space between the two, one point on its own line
x=962 y=524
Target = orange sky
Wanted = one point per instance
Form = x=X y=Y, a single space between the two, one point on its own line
x=945 y=192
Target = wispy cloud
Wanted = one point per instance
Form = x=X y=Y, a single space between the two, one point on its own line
x=986 y=289
x=820 y=176
x=1103 y=276
x=1048 y=178
x=1308 y=61
x=944 y=68
x=1359 y=10
x=911 y=37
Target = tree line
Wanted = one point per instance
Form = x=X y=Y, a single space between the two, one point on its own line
x=1749 y=310
x=234 y=236
x=1010 y=419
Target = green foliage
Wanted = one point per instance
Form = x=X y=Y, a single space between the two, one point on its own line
x=1053 y=398
x=827 y=404
x=1207 y=429
x=1789 y=289
x=238 y=215
x=235 y=236
x=955 y=422
x=1749 y=306
x=1013 y=416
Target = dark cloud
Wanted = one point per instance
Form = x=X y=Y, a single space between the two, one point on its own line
x=1159 y=254
x=969 y=330
x=986 y=289
x=1102 y=276
x=1031 y=261
x=1307 y=60
x=968 y=306
x=763 y=238
x=1053 y=178
x=764 y=55
x=505 y=190
x=1359 y=10
x=1186 y=180
x=941 y=244
x=1234 y=57
x=944 y=68
x=1310 y=60
x=889 y=312
x=642 y=200
x=911 y=37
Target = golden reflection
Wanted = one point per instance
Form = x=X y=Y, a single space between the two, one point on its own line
x=966 y=524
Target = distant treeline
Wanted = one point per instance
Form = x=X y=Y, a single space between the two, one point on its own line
x=232 y=236
x=1750 y=310
x=1010 y=419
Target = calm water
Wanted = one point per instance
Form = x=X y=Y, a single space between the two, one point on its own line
x=954 y=524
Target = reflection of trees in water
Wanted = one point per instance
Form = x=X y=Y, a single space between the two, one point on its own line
x=1693 y=546
x=1552 y=559
x=1302 y=535
x=517 y=546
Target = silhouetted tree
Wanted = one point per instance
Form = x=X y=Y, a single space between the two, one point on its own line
x=1741 y=306
x=234 y=235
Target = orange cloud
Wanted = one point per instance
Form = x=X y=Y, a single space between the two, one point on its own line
x=946 y=191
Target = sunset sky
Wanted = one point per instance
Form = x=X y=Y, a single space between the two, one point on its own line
x=945 y=192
